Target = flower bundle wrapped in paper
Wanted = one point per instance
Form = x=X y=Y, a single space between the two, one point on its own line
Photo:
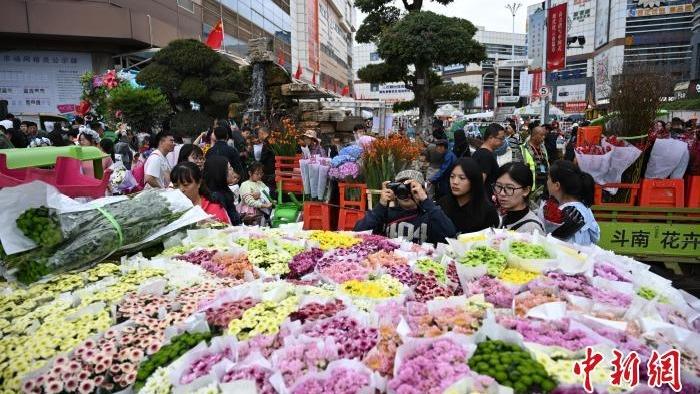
x=91 y=233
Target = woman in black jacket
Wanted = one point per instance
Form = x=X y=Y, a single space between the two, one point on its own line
x=216 y=169
x=466 y=205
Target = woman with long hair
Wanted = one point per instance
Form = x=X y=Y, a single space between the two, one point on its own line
x=187 y=177
x=512 y=191
x=466 y=204
x=216 y=170
x=573 y=189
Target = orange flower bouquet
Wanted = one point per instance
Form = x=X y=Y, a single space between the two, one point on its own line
x=384 y=157
x=284 y=142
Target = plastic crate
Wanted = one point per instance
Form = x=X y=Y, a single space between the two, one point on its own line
x=589 y=135
x=631 y=198
x=347 y=219
x=353 y=195
x=317 y=216
x=662 y=193
x=692 y=197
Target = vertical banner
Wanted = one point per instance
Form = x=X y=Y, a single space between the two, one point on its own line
x=556 y=37
x=536 y=84
x=313 y=38
x=486 y=101
x=535 y=39
x=525 y=84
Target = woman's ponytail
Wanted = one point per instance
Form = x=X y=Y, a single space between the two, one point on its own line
x=573 y=181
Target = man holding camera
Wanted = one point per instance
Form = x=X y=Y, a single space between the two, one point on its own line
x=413 y=217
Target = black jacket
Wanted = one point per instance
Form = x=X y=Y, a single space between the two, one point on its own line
x=221 y=148
x=267 y=158
x=428 y=223
x=469 y=218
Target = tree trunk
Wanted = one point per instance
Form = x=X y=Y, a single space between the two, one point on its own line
x=423 y=101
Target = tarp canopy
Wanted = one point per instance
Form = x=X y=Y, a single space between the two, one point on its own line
x=535 y=109
x=480 y=115
x=446 y=110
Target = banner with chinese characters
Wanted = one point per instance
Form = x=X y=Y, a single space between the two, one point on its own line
x=556 y=37
x=312 y=34
x=42 y=81
x=650 y=239
x=535 y=37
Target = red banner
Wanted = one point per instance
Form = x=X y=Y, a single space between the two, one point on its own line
x=536 y=84
x=313 y=38
x=486 y=101
x=575 y=107
x=556 y=37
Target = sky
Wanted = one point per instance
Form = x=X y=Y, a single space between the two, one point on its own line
x=492 y=14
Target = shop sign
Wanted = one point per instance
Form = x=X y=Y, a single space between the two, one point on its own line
x=580 y=16
x=664 y=10
x=571 y=93
x=453 y=68
x=650 y=238
x=508 y=99
x=575 y=107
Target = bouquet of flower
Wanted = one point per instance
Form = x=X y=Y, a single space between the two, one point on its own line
x=92 y=235
x=385 y=157
x=284 y=142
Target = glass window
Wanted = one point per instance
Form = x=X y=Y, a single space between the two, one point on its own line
x=374 y=56
x=244 y=11
x=257 y=19
x=374 y=87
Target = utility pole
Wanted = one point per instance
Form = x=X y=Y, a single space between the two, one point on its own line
x=545 y=100
x=513 y=8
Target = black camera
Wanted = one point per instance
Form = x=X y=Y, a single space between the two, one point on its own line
x=400 y=189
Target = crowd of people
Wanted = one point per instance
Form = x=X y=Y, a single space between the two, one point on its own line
x=466 y=190
x=522 y=180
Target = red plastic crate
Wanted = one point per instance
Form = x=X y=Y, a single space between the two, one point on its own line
x=317 y=216
x=633 y=191
x=692 y=197
x=589 y=135
x=347 y=219
x=662 y=193
x=289 y=184
x=353 y=195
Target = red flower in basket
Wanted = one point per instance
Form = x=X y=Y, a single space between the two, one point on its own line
x=82 y=108
x=552 y=212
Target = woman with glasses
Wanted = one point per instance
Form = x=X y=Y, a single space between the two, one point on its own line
x=512 y=191
x=466 y=204
x=191 y=153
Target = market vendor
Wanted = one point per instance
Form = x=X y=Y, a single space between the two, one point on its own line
x=413 y=215
x=187 y=177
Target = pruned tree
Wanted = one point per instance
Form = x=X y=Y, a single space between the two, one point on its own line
x=188 y=70
x=636 y=96
x=412 y=44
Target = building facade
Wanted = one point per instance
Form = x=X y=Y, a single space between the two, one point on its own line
x=322 y=40
x=652 y=34
x=498 y=47
x=45 y=46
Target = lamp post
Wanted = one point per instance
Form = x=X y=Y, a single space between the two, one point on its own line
x=513 y=8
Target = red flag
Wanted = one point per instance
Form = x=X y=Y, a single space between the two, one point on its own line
x=346 y=91
x=297 y=75
x=313 y=79
x=216 y=36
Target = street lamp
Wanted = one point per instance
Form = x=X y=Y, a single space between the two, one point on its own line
x=513 y=8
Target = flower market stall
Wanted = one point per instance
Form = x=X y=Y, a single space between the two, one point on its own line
x=248 y=309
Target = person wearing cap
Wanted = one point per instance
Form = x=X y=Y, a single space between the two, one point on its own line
x=413 y=215
x=313 y=144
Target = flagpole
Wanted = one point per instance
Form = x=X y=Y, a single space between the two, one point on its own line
x=223 y=32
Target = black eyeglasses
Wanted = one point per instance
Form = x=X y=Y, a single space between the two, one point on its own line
x=508 y=190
